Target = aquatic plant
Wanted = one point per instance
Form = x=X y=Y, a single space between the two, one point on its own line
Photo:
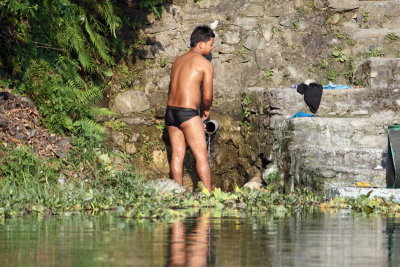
x=88 y=180
x=364 y=204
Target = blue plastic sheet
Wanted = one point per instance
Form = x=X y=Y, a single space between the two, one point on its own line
x=330 y=85
x=302 y=114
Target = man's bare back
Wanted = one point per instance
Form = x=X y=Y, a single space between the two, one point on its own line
x=189 y=73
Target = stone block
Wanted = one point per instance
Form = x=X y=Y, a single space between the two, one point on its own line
x=226 y=49
x=160 y=160
x=232 y=37
x=296 y=74
x=382 y=75
x=286 y=22
x=253 y=185
x=343 y=5
x=246 y=23
x=164 y=185
x=252 y=41
x=131 y=101
x=313 y=155
x=118 y=138
x=297 y=4
x=253 y=11
x=278 y=8
x=148 y=52
x=179 y=2
x=355 y=192
x=208 y=3
x=267 y=32
x=380 y=13
x=130 y=148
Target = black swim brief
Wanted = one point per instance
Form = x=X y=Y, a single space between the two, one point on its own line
x=175 y=116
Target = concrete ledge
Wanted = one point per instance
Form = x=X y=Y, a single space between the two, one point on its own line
x=354 y=192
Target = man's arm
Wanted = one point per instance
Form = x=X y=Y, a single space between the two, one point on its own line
x=207 y=90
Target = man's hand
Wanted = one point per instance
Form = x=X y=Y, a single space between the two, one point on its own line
x=206 y=115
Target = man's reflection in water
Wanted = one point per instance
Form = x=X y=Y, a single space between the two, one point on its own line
x=190 y=249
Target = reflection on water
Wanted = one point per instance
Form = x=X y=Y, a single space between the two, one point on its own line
x=190 y=248
x=313 y=239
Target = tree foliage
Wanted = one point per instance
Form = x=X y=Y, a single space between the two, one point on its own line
x=60 y=53
x=57 y=52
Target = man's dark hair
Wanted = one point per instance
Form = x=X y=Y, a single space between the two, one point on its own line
x=201 y=34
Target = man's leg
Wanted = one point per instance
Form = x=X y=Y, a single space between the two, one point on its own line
x=193 y=130
x=178 y=146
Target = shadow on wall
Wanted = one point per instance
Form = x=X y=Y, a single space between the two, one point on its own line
x=135 y=19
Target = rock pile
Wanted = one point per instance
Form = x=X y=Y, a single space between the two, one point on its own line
x=20 y=124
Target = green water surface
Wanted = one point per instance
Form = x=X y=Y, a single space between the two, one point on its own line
x=310 y=239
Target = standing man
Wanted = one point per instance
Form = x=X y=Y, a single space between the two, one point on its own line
x=189 y=73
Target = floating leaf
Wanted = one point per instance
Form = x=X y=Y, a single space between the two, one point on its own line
x=217 y=193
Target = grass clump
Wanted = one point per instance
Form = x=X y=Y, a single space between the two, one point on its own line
x=338 y=55
x=332 y=75
x=267 y=75
x=392 y=37
x=376 y=53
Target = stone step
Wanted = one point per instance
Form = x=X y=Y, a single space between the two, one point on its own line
x=372 y=35
x=353 y=102
x=346 y=132
x=382 y=76
x=364 y=157
x=379 y=14
x=371 y=42
x=337 y=176
x=355 y=192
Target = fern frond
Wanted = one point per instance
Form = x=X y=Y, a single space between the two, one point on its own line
x=69 y=68
x=112 y=20
x=77 y=82
x=37 y=70
x=72 y=37
x=89 y=128
x=67 y=65
x=99 y=43
x=89 y=125
x=92 y=95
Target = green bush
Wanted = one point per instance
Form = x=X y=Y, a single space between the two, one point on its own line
x=60 y=53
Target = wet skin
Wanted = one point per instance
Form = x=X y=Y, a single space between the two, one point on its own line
x=189 y=73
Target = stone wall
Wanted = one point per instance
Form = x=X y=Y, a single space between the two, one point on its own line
x=259 y=44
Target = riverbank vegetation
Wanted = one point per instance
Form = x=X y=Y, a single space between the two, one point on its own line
x=85 y=181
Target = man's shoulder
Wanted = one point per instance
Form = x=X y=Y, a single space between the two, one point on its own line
x=203 y=61
x=195 y=59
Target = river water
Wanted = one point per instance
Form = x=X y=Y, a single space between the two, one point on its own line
x=303 y=239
